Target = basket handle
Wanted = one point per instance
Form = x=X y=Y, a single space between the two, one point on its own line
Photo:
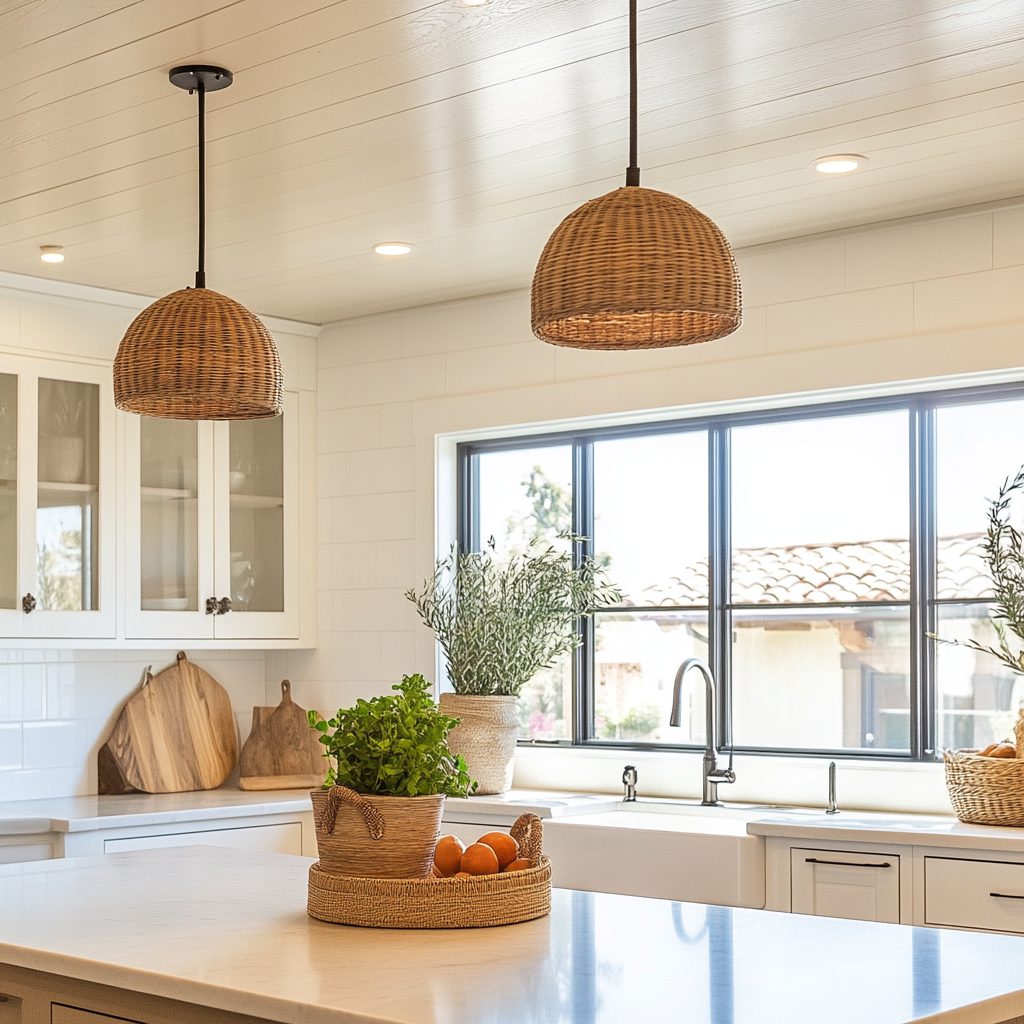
x=373 y=819
x=528 y=832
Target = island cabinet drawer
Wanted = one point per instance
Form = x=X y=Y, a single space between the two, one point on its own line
x=857 y=886
x=974 y=894
x=283 y=838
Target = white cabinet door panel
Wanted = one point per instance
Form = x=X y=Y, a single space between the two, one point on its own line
x=857 y=886
x=974 y=894
x=283 y=838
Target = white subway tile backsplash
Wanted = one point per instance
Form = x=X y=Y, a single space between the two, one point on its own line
x=57 y=707
x=50 y=745
x=33 y=688
x=10 y=748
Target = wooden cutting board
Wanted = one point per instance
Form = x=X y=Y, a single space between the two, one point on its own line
x=282 y=751
x=175 y=735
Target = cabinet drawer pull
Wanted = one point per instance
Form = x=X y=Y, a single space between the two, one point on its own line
x=1006 y=896
x=848 y=864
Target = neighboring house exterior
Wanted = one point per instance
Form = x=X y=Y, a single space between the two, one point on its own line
x=833 y=673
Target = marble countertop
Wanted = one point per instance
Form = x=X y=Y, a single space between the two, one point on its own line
x=87 y=813
x=228 y=929
x=907 y=829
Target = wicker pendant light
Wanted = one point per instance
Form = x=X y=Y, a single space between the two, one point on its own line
x=196 y=354
x=635 y=268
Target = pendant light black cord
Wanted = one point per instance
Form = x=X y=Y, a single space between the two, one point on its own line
x=632 y=171
x=201 y=271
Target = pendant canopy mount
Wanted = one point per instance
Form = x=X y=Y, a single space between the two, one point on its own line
x=207 y=77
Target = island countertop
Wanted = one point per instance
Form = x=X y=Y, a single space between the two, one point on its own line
x=228 y=929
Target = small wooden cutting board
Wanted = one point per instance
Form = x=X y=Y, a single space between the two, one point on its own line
x=282 y=751
x=177 y=734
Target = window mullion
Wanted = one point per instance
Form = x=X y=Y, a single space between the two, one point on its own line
x=922 y=582
x=468 y=492
x=583 y=527
x=719 y=571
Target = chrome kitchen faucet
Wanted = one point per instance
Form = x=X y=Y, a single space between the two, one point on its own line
x=713 y=775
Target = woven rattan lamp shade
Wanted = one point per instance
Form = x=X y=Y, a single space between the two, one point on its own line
x=197 y=355
x=635 y=268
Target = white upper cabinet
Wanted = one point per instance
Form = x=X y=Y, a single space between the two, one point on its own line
x=57 y=501
x=214 y=532
x=122 y=530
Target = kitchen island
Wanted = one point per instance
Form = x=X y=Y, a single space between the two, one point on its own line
x=208 y=934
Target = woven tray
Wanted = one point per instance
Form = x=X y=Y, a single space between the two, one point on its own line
x=985 y=790
x=480 y=902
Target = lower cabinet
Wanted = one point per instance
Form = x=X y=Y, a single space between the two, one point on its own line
x=937 y=886
x=974 y=894
x=857 y=886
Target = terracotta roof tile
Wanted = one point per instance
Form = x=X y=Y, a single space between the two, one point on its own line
x=824 y=573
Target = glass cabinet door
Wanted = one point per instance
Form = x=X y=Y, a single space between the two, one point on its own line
x=67 y=547
x=9 y=503
x=169 y=535
x=67 y=506
x=169 y=528
x=256 y=538
x=256 y=487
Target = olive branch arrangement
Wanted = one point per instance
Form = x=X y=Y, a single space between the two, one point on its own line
x=500 y=623
x=1005 y=559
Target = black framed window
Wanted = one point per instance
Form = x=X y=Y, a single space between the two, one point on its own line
x=805 y=553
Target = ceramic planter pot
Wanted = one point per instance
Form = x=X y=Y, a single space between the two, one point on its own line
x=485 y=736
x=366 y=836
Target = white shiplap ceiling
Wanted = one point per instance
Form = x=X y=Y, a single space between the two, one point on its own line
x=471 y=131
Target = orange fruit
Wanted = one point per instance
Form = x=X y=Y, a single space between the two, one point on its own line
x=447 y=855
x=462 y=874
x=479 y=859
x=505 y=848
x=518 y=865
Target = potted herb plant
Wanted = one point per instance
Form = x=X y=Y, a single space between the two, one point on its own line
x=499 y=624
x=378 y=814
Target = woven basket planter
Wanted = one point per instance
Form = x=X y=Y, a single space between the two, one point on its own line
x=480 y=902
x=375 y=836
x=985 y=790
x=485 y=736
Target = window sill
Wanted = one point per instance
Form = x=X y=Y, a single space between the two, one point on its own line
x=863 y=784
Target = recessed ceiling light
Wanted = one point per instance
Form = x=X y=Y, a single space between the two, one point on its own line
x=51 y=253
x=393 y=248
x=839 y=163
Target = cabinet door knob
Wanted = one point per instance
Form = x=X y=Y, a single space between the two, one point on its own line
x=28 y=604
x=211 y=606
x=224 y=606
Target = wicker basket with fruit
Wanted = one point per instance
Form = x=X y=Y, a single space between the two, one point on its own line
x=503 y=878
x=986 y=787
